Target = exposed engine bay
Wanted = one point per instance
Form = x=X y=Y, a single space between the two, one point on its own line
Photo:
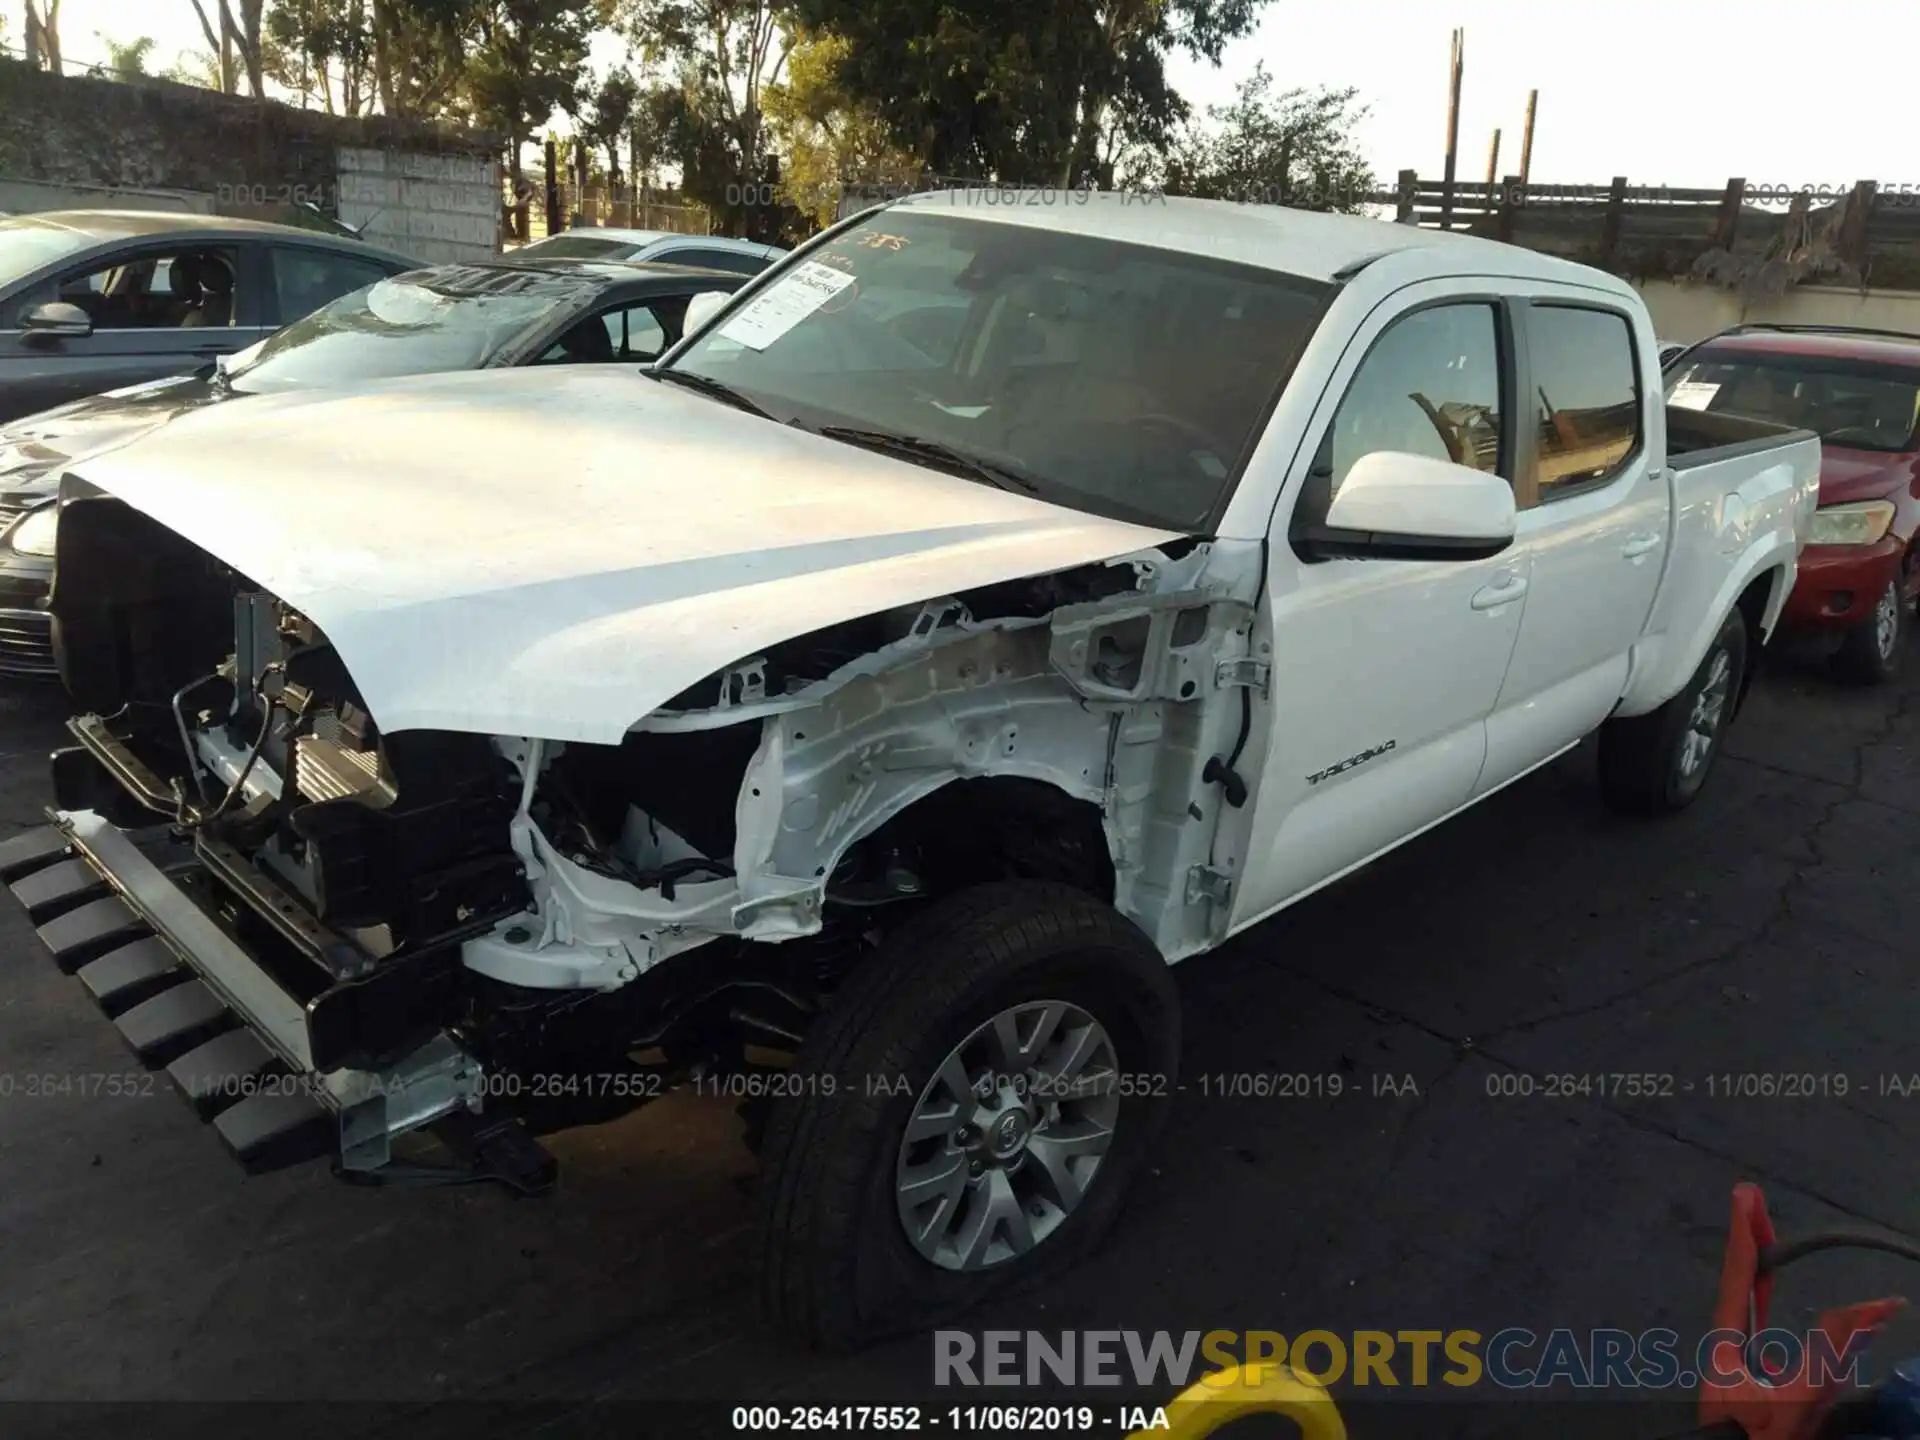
x=1090 y=726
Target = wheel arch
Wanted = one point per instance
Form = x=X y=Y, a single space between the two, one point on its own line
x=1759 y=605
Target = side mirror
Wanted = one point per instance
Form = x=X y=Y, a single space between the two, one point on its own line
x=702 y=308
x=56 y=317
x=1395 y=506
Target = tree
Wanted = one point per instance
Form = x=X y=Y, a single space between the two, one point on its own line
x=529 y=59
x=728 y=51
x=43 y=35
x=826 y=137
x=1022 y=91
x=196 y=67
x=128 y=61
x=324 y=48
x=1296 y=147
x=608 y=118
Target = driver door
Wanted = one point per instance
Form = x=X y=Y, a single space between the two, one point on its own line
x=1384 y=670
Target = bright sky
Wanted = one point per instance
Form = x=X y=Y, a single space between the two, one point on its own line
x=1677 y=92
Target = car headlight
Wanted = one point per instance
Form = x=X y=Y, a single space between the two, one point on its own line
x=1857 y=524
x=37 y=531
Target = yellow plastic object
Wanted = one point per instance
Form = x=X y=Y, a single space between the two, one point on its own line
x=1227 y=1395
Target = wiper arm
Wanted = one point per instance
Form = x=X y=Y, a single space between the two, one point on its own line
x=707 y=385
x=931 y=452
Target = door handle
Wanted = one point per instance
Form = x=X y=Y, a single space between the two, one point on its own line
x=1638 y=545
x=1504 y=591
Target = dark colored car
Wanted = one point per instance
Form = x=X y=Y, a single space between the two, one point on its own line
x=1860 y=390
x=94 y=299
x=508 y=312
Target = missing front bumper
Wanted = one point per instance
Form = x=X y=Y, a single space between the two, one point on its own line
x=186 y=996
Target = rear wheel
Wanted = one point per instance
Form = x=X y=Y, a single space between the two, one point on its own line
x=965 y=1119
x=1656 y=763
x=1869 y=654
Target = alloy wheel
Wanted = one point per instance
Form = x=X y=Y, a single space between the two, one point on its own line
x=1709 y=712
x=1008 y=1135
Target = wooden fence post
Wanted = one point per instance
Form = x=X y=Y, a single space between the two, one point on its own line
x=1729 y=218
x=1853 y=224
x=1512 y=197
x=1403 y=206
x=554 y=223
x=1610 y=226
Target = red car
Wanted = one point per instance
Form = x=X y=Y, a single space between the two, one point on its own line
x=1860 y=390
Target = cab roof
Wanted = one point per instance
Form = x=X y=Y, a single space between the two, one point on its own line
x=1307 y=243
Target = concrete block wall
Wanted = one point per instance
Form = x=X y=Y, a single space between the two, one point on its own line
x=438 y=208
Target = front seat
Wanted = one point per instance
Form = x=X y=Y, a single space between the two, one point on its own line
x=588 y=343
x=216 y=287
x=183 y=283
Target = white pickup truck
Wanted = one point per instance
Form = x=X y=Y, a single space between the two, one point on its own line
x=859 y=710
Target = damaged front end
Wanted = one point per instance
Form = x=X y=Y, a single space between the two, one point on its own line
x=333 y=935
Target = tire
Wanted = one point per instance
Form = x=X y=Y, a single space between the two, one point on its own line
x=839 y=1266
x=1649 y=765
x=1869 y=654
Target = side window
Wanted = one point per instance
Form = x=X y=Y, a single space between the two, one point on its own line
x=304 y=280
x=1586 y=396
x=633 y=332
x=1429 y=386
x=174 y=289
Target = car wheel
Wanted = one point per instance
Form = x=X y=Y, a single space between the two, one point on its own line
x=1869 y=654
x=966 y=1117
x=1656 y=763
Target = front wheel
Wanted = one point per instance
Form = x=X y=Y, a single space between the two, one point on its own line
x=965 y=1119
x=1869 y=654
x=1656 y=763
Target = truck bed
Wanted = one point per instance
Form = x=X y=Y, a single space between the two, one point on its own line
x=1700 y=437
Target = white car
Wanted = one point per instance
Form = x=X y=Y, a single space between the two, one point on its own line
x=859 y=715
x=667 y=247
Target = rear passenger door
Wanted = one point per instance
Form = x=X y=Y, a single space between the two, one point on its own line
x=1592 y=527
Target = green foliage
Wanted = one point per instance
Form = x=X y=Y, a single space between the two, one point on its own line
x=724 y=54
x=529 y=59
x=607 y=120
x=1296 y=147
x=127 y=61
x=322 y=48
x=825 y=137
x=1022 y=91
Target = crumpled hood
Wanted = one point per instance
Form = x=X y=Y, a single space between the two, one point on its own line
x=1847 y=475
x=34 y=450
x=557 y=552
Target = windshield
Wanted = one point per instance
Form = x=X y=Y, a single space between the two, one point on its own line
x=1114 y=378
x=390 y=328
x=1855 y=403
x=27 y=243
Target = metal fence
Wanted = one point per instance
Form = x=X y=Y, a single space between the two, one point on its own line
x=621 y=207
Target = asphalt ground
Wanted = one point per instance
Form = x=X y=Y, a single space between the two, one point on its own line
x=1765 y=932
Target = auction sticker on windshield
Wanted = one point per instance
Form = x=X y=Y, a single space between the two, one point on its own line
x=1693 y=394
x=796 y=295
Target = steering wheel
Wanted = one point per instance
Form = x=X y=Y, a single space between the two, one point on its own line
x=1189 y=436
